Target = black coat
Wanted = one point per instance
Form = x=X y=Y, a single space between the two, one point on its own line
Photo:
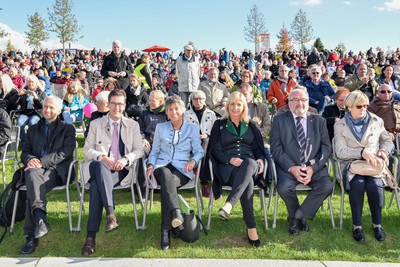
x=214 y=147
x=60 y=147
x=20 y=100
x=117 y=64
x=330 y=113
x=5 y=130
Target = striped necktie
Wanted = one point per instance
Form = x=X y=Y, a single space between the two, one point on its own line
x=302 y=139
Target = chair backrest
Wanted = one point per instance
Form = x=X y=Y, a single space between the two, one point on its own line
x=59 y=90
x=15 y=133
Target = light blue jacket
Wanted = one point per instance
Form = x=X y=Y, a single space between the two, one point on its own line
x=164 y=151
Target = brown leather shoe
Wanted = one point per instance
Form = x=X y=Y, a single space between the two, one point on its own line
x=112 y=223
x=89 y=247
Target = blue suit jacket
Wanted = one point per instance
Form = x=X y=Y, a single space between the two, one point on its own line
x=164 y=151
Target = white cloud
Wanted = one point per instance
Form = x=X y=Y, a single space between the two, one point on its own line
x=307 y=3
x=394 y=5
x=19 y=42
x=347 y=3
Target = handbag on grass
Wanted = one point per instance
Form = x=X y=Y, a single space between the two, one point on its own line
x=361 y=167
x=189 y=230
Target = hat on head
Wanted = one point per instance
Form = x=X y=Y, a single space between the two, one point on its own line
x=188 y=47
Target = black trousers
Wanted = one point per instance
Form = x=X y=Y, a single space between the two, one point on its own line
x=169 y=178
x=102 y=182
x=376 y=197
x=38 y=182
x=242 y=183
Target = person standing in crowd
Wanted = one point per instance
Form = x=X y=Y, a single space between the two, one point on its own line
x=117 y=65
x=188 y=71
x=142 y=70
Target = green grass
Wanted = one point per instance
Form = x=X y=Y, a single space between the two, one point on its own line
x=226 y=239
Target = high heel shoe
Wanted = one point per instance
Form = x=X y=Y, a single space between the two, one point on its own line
x=165 y=239
x=255 y=243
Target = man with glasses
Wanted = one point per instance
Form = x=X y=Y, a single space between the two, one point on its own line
x=112 y=145
x=361 y=81
x=320 y=91
x=216 y=93
x=279 y=89
x=301 y=147
x=388 y=109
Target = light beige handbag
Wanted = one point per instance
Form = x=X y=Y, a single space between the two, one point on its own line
x=361 y=167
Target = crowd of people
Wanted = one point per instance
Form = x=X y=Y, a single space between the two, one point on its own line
x=175 y=112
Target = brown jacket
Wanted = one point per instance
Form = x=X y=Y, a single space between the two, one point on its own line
x=389 y=111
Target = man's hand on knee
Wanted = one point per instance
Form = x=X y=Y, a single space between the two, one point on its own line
x=109 y=161
x=33 y=163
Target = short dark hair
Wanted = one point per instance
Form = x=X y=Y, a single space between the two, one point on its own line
x=116 y=92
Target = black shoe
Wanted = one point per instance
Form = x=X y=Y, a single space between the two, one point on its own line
x=29 y=246
x=379 y=233
x=165 y=239
x=294 y=227
x=358 y=235
x=177 y=218
x=255 y=243
x=42 y=228
x=303 y=225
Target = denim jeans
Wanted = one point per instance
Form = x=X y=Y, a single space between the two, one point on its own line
x=70 y=118
x=24 y=120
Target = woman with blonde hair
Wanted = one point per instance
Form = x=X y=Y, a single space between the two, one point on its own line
x=236 y=150
x=76 y=100
x=226 y=79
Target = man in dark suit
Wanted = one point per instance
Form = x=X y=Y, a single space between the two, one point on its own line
x=300 y=146
x=46 y=154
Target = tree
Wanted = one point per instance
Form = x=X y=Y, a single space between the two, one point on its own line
x=63 y=22
x=37 y=30
x=256 y=26
x=9 y=46
x=318 y=44
x=3 y=33
x=302 y=31
x=285 y=40
x=341 y=48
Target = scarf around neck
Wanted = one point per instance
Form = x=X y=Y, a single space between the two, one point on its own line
x=357 y=127
x=284 y=84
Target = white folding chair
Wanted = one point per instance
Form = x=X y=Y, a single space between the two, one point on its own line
x=73 y=169
x=299 y=187
x=132 y=177
x=10 y=150
x=255 y=188
x=194 y=183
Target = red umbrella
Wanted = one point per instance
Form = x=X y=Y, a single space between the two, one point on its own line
x=156 y=48
x=205 y=52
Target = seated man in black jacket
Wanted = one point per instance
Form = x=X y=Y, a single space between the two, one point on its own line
x=46 y=154
x=336 y=111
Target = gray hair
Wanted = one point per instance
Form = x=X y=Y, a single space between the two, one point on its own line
x=298 y=89
x=57 y=101
x=102 y=97
x=317 y=69
x=169 y=101
x=118 y=42
x=199 y=93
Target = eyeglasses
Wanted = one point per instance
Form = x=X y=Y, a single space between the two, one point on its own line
x=117 y=104
x=315 y=73
x=385 y=91
x=197 y=99
x=296 y=100
x=361 y=106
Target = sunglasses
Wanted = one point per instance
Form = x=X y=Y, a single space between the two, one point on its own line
x=385 y=91
x=361 y=106
x=315 y=73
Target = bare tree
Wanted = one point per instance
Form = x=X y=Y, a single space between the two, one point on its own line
x=3 y=33
x=63 y=22
x=256 y=26
x=302 y=31
x=37 y=30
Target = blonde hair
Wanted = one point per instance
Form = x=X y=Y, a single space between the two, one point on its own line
x=356 y=98
x=238 y=96
x=228 y=80
x=8 y=85
x=79 y=92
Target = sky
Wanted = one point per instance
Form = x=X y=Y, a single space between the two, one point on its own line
x=210 y=24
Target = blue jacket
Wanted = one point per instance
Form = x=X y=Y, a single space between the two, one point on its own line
x=326 y=89
x=164 y=151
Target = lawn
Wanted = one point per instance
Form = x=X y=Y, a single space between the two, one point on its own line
x=226 y=239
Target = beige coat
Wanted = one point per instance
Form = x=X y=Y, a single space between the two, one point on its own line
x=98 y=142
x=216 y=94
x=347 y=147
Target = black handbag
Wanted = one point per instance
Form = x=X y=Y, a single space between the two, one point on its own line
x=189 y=230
